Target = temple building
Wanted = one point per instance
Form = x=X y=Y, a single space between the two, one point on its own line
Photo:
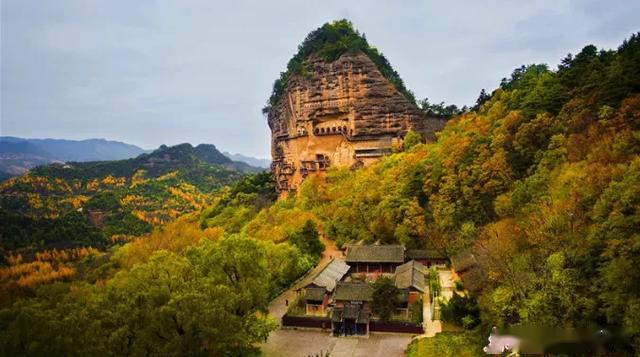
x=427 y=257
x=351 y=308
x=411 y=279
x=318 y=291
x=374 y=260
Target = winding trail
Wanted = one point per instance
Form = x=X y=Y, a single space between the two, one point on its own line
x=278 y=306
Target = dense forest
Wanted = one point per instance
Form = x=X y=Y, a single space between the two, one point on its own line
x=96 y=203
x=539 y=183
x=183 y=289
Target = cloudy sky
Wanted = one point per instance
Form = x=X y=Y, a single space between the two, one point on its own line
x=152 y=72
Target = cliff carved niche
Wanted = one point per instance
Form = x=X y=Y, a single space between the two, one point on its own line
x=343 y=113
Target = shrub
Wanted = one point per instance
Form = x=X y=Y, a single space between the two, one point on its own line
x=461 y=310
x=385 y=298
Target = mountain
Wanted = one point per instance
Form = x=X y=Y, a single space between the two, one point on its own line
x=107 y=199
x=249 y=160
x=18 y=155
x=534 y=195
x=80 y=150
x=338 y=104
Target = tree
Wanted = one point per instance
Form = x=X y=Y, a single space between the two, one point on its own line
x=213 y=301
x=461 y=310
x=308 y=239
x=412 y=139
x=440 y=110
x=385 y=298
x=482 y=98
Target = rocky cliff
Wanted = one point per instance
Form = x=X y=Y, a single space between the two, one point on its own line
x=338 y=113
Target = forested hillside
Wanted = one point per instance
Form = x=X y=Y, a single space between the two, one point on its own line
x=540 y=184
x=164 y=293
x=98 y=203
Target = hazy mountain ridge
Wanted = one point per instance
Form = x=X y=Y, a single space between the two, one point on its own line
x=107 y=199
x=81 y=150
x=19 y=155
x=249 y=160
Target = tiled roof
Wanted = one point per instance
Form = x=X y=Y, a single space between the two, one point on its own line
x=353 y=291
x=314 y=294
x=423 y=254
x=330 y=274
x=411 y=275
x=375 y=254
x=353 y=312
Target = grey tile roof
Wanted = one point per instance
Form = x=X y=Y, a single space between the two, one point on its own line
x=314 y=294
x=411 y=275
x=353 y=291
x=423 y=254
x=353 y=312
x=332 y=273
x=375 y=254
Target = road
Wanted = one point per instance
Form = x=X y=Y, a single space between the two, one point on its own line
x=278 y=306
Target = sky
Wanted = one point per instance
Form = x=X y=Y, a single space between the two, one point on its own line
x=151 y=72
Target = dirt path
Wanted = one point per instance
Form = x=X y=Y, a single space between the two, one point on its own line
x=446 y=282
x=278 y=306
x=431 y=327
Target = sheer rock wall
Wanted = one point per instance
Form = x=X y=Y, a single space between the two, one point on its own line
x=343 y=113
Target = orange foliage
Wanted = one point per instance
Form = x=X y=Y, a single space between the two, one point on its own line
x=138 y=178
x=135 y=200
x=93 y=185
x=113 y=181
x=65 y=255
x=185 y=195
x=175 y=237
x=36 y=273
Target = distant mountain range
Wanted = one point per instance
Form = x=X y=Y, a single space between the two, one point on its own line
x=263 y=163
x=19 y=155
x=126 y=196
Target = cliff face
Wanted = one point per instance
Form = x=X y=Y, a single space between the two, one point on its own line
x=343 y=113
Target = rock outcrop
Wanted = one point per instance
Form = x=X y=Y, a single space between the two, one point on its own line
x=343 y=113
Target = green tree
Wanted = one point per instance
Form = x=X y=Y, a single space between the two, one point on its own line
x=385 y=297
x=412 y=139
x=461 y=310
x=482 y=98
x=213 y=301
x=308 y=239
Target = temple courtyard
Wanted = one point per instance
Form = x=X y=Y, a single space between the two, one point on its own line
x=286 y=342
